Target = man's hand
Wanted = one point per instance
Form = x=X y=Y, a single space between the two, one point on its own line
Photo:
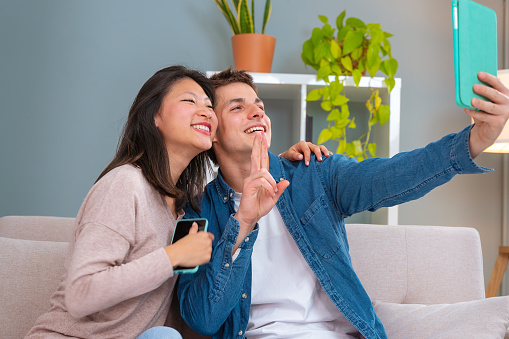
x=491 y=117
x=260 y=191
x=303 y=149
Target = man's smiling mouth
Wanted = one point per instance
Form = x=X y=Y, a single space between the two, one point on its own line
x=255 y=129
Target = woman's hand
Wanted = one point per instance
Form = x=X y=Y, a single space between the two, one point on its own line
x=192 y=250
x=303 y=149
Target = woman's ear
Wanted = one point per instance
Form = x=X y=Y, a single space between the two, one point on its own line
x=157 y=119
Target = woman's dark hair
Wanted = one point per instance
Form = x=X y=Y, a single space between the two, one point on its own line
x=141 y=144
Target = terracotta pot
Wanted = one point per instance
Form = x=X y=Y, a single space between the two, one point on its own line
x=253 y=52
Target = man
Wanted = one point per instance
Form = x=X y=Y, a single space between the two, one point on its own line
x=280 y=265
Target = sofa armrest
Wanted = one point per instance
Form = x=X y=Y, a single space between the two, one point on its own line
x=39 y=228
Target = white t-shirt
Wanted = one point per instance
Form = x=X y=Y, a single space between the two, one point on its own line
x=287 y=300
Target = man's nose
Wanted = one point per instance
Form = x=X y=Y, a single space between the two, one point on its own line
x=256 y=112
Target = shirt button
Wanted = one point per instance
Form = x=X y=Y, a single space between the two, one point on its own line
x=226 y=265
x=231 y=194
x=247 y=239
x=225 y=198
x=244 y=295
x=240 y=332
x=281 y=179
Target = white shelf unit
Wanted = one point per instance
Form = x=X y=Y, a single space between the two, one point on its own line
x=284 y=96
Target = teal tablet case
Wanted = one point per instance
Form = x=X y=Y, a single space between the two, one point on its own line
x=475 y=47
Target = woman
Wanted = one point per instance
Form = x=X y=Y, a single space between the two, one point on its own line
x=119 y=277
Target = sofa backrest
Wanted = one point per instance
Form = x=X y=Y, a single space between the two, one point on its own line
x=417 y=264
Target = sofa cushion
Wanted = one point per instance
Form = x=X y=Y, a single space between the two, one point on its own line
x=486 y=318
x=29 y=274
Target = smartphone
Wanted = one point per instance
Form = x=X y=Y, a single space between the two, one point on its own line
x=181 y=230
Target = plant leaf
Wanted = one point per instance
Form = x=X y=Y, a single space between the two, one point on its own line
x=315 y=94
x=324 y=136
x=244 y=17
x=384 y=114
x=326 y=105
x=353 y=40
x=225 y=9
x=323 y=19
x=354 y=22
x=335 y=49
x=339 y=20
x=307 y=52
x=357 y=75
x=347 y=63
x=333 y=115
x=390 y=83
x=266 y=14
x=372 y=149
x=339 y=100
x=341 y=147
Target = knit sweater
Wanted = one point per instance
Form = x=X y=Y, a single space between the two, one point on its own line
x=118 y=279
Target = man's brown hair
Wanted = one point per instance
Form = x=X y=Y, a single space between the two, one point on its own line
x=226 y=77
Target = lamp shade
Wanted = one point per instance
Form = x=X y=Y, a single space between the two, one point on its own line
x=502 y=143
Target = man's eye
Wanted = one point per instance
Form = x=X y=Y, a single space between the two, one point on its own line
x=236 y=108
x=262 y=108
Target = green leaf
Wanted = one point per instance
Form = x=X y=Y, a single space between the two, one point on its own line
x=372 y=55
x=347 y=63
x=335 y=49
x=352 y=124
x=384 y=113
x=321 y=51
x=339 y=20
x=324 y=136
x=323 y=72
x=333 y=115
x=357 y=75
x=372 y=149
x=354 y=22
x=323 y=19
x=316 y=35
x=343 y=32
x=315 y=94
x=266 y=14
x=327 y=31
x=336 y=132
x=307 y=52
x=244 y=17
x=374 y=69
x=326 y=105
x=335 y=69
x=341 y=147
x=357 y=147
x=339 y=100
x=357 y=53
x=369 y=106
x=352 y=41
x=390 y=83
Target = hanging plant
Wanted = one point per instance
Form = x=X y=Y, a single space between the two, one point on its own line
x=351 y=49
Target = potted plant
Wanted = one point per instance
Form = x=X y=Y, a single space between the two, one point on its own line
x=252 y=51
x=352 y=48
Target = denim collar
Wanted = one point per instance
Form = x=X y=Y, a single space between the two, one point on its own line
x=226 y=192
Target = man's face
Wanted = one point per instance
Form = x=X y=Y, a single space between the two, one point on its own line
x=240 y=114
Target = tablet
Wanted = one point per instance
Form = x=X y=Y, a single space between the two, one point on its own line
x=475 y=47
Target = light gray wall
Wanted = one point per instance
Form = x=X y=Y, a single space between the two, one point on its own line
x=69 y=71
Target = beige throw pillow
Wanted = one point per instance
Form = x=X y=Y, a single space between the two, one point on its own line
x=479 y=319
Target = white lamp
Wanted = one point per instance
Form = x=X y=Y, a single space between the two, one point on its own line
x=502 y=143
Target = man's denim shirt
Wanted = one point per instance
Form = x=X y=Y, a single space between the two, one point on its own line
x=216 y=300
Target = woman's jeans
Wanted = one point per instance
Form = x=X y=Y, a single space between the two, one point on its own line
x=160 y=332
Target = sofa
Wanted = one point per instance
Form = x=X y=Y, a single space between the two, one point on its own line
x=424 y=281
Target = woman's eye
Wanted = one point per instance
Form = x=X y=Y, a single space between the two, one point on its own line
x=189 y=100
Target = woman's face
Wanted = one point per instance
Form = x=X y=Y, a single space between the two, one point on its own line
x=186 y=120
